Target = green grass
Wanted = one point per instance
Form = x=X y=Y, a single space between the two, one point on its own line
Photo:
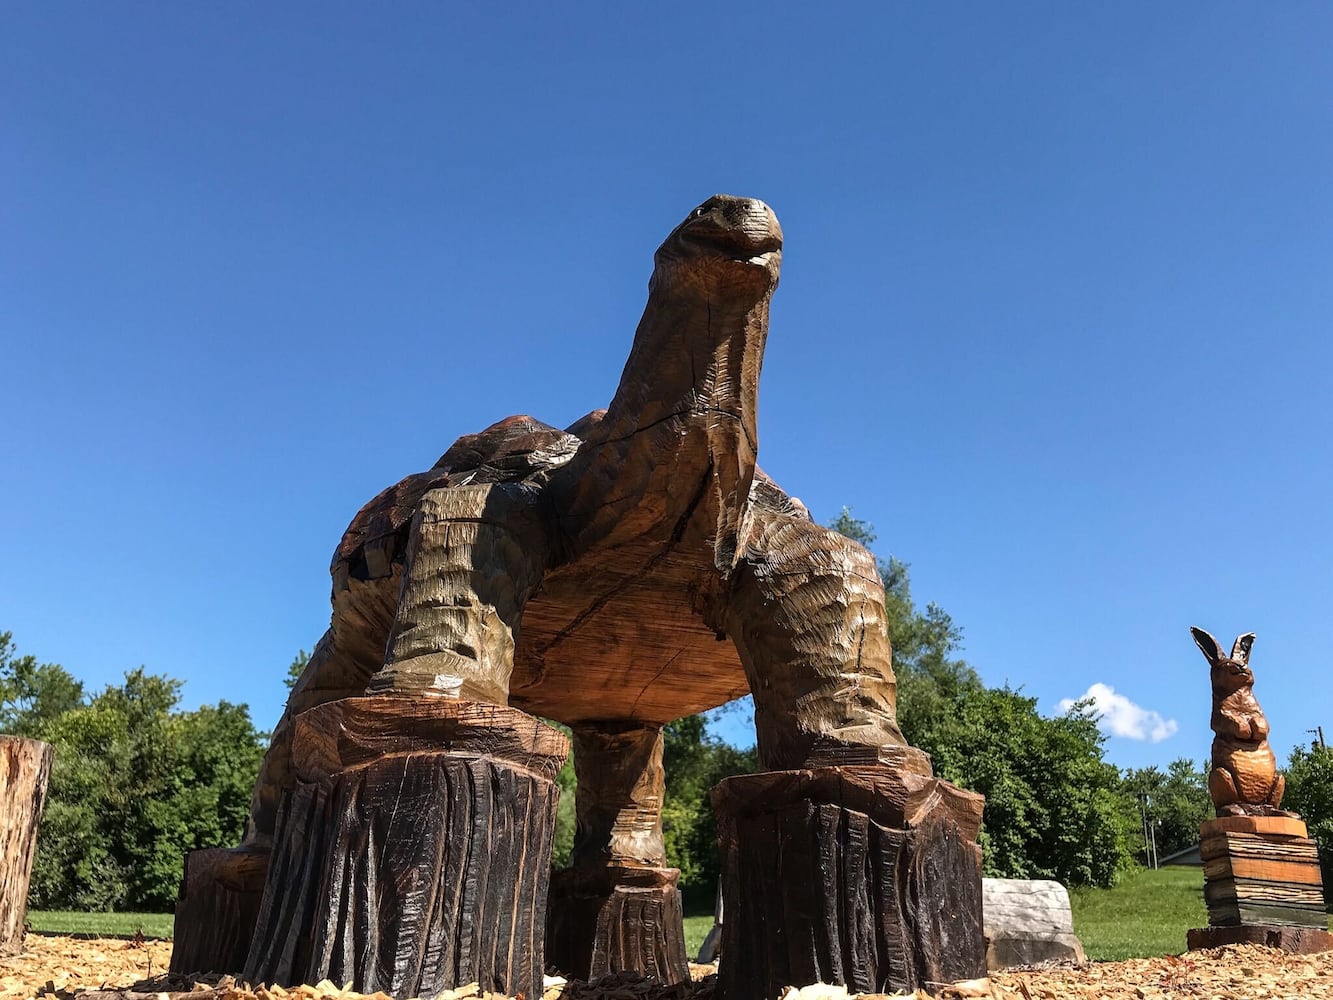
x=1145 y=915
x=696 y=929
x=153 y=925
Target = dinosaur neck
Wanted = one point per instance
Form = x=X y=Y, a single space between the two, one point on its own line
x=674 y=457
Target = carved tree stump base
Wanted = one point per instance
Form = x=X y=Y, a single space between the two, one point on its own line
x=217 y=910
x=414 y=855
x=1261 y=870
x=1293 y=940
x=866 y=876
x=617 y=919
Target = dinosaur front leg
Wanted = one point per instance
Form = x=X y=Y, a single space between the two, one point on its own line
x=413 y=853
x=807 y=615
x=617 y=908
x=846 y=862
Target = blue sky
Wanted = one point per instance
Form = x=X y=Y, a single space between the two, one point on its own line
x=1054 y=314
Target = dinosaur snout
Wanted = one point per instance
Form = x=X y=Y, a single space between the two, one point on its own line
x=727 y=226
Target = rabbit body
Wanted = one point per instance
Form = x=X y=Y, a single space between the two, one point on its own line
x=1244 y=778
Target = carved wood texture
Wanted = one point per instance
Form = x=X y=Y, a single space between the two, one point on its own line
x=623 y=921
x=217 y=910
x=817 y=890
x=1261 y=870
x=418 y=869
x=618 y=798
x=615 y=576
x=25 y=769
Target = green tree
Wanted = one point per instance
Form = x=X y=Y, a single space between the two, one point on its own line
x=136 y=784
x=1175 y=802
x=32 y=694
x=566 y=820
x=695 y=761
x=296 y=668
x=1310 y=793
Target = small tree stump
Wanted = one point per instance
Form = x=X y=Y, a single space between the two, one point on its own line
x=414 y=853
x=218 y=907
x=617 y=909
x=25 y=769
x=865 y=876
x=617 y=919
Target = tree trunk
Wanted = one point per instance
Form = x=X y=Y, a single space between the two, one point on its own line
x=217 y=909
x=25 y=768
x=414 y=853
x=873 y=876
x=609 y=920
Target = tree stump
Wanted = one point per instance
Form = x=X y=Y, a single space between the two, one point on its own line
x=617 y=909
x=867 y=876
x=217 y=909
x=414 y=853
x=617 y=919
x=25 y=769
x=1262 y=885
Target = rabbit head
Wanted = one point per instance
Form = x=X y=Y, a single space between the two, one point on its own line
x=1229 y=673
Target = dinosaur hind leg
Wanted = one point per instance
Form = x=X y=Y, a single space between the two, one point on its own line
x=617 y=908
x=807 y=616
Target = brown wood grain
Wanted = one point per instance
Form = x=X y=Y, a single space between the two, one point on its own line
x=25 y=769
x=409 y=874
x=817 y=890
x=617 y=921
x=1272 y=826
x=1263 y=868
x=218 y=908
x=615 y=576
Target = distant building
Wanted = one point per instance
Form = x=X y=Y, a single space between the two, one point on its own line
x=1184 y=856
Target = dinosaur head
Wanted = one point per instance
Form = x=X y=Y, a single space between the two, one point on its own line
x=727 y=244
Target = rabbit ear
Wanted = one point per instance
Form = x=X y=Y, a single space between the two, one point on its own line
x=1207 y=644
x=1240 y=652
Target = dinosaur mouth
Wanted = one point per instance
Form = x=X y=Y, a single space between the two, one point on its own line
x=733 y=246
x=743 y=230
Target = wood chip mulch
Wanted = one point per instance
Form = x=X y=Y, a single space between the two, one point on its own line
x=62 y=968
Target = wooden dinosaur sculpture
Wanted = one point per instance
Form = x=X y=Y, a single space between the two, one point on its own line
x=619 y=574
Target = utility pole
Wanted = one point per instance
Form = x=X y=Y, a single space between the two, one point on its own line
x=1318 y=732
x=1149 y=830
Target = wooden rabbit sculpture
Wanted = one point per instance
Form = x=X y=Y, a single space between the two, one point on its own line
x=1243 y=780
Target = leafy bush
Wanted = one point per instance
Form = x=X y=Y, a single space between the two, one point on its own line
x=136 y=783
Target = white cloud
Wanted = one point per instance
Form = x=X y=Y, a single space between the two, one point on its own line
x=1118 y=716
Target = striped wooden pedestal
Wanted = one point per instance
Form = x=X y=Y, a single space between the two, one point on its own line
x=1261 y=881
